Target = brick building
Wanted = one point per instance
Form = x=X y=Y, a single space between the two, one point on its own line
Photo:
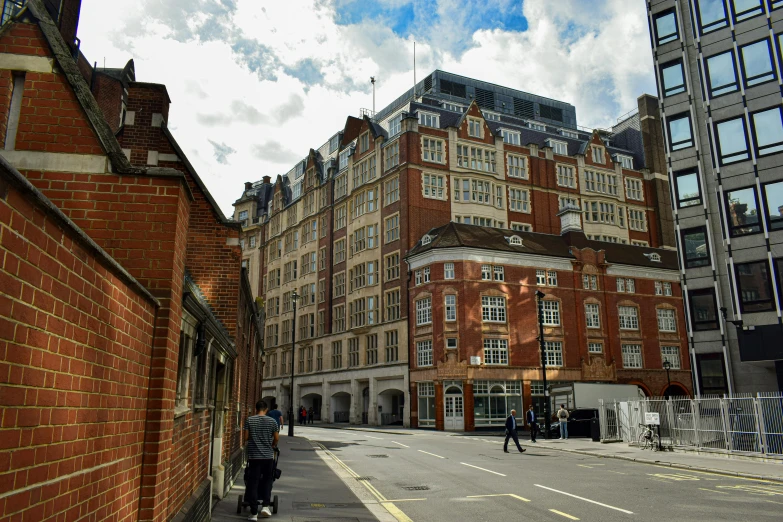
x=336 y=228
x=612 y=313
x=129 y=334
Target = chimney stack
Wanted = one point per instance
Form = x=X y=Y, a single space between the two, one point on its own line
x=570 y=219
x=248 y=185
x=267 y=180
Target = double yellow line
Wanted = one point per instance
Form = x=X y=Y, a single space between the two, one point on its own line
x=383 y=501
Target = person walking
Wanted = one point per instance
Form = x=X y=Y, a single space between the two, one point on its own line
x=310 y=415
x=511 y=432
x=562 y=416
x=261 y=436
x=277 y=415
x=532 y=421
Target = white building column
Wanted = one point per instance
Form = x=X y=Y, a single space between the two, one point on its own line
x=326 y=402
x=372 y=410
x=355 y=415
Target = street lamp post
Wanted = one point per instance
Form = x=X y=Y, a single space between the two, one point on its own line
x=294 y=298
x=667 y=366
x=547 y=421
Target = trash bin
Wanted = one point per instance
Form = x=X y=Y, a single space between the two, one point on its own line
x=595 y=429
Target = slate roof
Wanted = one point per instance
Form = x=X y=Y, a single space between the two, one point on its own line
x=527 y=135
x=458 y=235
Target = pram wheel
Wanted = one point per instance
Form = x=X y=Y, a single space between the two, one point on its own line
x=274 y=504
x=239 y=505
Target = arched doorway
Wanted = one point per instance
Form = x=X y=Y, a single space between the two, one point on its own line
x=453 y=404
x=341 y=407
x=391 y=404
x=313 y=400
x=675 y=390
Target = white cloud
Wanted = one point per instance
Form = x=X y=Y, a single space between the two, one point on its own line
x=270 y=80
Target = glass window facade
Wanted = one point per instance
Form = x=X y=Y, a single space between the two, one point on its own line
x=773 y=201
x=704 y=309
x=732 y=140
x=742 y=211
x=673 y=78
x=494 y=400
x=711 y=15
x=768 y=131
x=757 y=64
x=665 y=25
x=696 y=251
x=688 y=188
x=721 y=74
x=754 y=286
x=680 y=135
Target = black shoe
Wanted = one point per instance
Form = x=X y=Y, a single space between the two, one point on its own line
x=521 y=450
x=505 y=451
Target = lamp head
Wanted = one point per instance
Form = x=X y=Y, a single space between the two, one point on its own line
x=540 y=294
x=667 y=365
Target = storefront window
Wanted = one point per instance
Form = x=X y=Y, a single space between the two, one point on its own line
x=494 y=400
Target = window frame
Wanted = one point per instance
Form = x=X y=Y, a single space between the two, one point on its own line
x=640 y=355
x=697 y=200
x=778 y=145
x=770 y=55
x=733 y=228
x=635 y=316
x=664 y=321
x=710 y=88
x=664 y=87
x=732 y=157
x=668 y=38
x=770 y=300
x=677 y=117
x=696 y=325
x=593 y=318
x=696 y=263
x=734 y=14
x=765 y=204
x=713 y=26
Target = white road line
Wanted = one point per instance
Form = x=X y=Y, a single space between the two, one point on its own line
x=482 y=469
x=428 y=453
x=371 y=437
x=400 y=444
x=585 y=499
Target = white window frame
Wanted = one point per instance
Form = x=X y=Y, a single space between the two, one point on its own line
x=448 y=271
x=511 y=137
x=558 y=147
x=592 y=315
x=493 y=309
x=551 y=313
x=429 y=119
x=424 y=311
x=667 y=320
x=629 y=317
x=672 y=354
x=516 y=166
x=434 y=186
x=424 y=353
x=632 y=356
x=450 y=307
x=496 y=352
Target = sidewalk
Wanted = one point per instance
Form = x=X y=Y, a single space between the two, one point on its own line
x=307 y=490
x=713 y=463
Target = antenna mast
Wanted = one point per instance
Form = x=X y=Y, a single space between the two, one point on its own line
x=372 y=81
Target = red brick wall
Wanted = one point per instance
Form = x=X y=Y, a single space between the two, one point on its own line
x=108 y=94
x=6 y=89
x=75 y=347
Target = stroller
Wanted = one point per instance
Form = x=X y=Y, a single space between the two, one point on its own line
x=241 y=504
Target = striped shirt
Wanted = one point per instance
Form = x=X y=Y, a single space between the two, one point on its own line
x=262 y=430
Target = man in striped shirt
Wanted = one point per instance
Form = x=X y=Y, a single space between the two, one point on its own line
x=261 y=436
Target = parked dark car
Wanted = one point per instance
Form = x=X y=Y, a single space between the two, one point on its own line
x=578 y=423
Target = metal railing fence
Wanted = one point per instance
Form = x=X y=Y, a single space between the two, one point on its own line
x=745 y=424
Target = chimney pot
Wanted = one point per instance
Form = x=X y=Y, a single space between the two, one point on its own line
x=248 y=185
x=267 y=179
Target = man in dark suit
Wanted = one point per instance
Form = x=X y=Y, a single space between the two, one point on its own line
x=532 y=421
x=511 y=432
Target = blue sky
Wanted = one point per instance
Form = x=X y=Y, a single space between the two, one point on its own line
x=256 y=83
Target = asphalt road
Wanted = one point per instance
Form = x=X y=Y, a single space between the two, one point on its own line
x=435 y=476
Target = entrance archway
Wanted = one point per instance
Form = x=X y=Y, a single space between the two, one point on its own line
x=675 y=390
x=391 y=405
x=340 y=406
x=314 y=401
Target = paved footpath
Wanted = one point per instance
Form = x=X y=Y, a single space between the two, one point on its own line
x=311 y=488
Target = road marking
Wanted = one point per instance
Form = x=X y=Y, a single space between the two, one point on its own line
x=393 y=510
x=756 y=490
x=563 y=514
x=371 y=437
x=586 y=499
x=400 y=444
x=482 y=469
x=582 y=466
x=773 y=502
x=713 y=491
x=406 y=499
x=523 y=499
x=618 y=472
x=673 y=476
x=428 y=453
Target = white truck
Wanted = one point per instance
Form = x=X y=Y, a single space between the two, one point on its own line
x=579 y=395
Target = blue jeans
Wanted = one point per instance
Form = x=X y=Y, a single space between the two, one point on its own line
x=564 y=429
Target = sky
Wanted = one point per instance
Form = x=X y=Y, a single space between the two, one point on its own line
x=255 y=84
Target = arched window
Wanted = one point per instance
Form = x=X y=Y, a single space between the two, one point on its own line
x=514 y=240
